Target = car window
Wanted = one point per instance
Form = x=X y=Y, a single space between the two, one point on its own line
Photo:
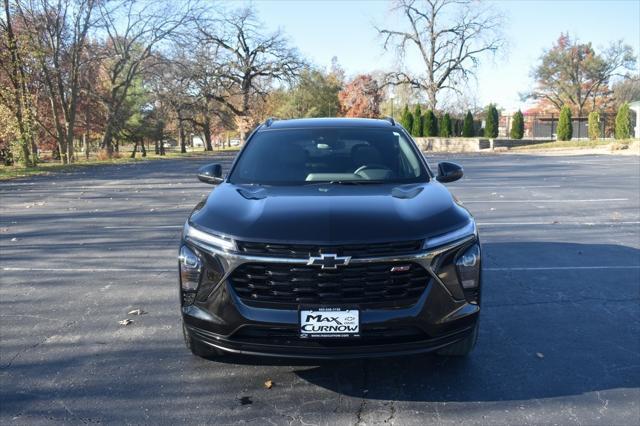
x=303 y=156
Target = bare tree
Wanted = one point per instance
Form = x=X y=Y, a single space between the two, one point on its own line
x=16 y=96
x=207 y=83
x=249 y=61
x=449 y=35
x=626 y=90
x=133 y=30
x=58 y=40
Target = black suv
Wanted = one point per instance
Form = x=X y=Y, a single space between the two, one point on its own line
x=330 y=238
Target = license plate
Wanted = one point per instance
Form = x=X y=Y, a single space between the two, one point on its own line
x=329 y=322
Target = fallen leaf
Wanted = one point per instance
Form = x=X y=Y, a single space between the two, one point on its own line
x=125 y=321
x=137 y=312
x=268 y=384
x=540 y=355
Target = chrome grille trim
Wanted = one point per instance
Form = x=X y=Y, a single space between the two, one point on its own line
x=231 y=260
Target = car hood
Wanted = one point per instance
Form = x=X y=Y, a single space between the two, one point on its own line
x=330 y=214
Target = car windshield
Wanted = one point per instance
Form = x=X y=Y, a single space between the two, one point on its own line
x=321 y=155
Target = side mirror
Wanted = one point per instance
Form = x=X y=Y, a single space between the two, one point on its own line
x=449 y=172
x=211 y=174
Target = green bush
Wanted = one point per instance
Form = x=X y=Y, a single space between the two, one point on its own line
x=517 y=126
x=406 y=119
x=565 y=128
x=594 y=125
x=445 y=126
x=429 y=124
x=623 y=122
x=467 y=127
x=416 y=126
x=492 y=121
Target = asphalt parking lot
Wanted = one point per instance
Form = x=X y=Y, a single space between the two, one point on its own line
x=559 y=339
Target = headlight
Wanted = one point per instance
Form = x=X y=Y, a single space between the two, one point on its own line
x=468 y=267
x=190 y=269
x=450 y=237
x=197 y=236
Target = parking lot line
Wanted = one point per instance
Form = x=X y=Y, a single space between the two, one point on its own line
x=588 y=200
x=86 y=269
x=555 y=223
x=561 y=268
x=145 y=227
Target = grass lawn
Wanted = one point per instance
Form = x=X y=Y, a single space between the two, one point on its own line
x=12 y=172
x=576 y=144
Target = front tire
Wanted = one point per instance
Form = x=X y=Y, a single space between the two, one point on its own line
x=198 y=348
x=463 y=347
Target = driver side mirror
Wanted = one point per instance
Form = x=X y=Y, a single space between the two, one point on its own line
x=211 y=174
x=449 y=172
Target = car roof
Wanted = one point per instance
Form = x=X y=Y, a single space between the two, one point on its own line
x=299 y=123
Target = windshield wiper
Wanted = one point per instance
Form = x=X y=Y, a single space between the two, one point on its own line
x=355 y=182
x=343 y=182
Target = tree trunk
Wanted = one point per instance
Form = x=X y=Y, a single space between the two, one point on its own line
x=183 y=148
x=157 y=147
x=107 y=140
x=69 y=141
x=207 y=134
x=62 y=151
x=143 y=148
x=433 y=101
x=19 y=86
x=34 y=151
x=135 y=149
x=86 y=146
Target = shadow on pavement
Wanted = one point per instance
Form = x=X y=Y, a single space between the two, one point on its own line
x=544 y=334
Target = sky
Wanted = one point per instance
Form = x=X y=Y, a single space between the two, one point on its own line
x=345 y=29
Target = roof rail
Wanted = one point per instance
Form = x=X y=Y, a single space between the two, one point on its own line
x=390 y=120
x=269 y=121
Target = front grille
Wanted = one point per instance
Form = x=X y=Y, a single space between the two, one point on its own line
x=288 y=286
x=302 y=251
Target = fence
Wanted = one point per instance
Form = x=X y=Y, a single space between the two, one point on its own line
x=545 y=126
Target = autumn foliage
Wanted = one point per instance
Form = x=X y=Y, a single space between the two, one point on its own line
x=361 y=97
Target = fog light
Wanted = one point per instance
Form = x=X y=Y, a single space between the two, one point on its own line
x=468 y=267
x=190 y=269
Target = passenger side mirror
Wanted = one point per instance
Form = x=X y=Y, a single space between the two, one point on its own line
x=449 y=172
x=211 y=174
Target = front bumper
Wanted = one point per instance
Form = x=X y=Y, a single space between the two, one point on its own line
x=322 y=349
x=434 y=322
x=441 y=316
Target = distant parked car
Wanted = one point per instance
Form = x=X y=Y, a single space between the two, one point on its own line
x=169 y=143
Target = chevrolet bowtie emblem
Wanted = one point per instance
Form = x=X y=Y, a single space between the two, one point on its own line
x=328 y=261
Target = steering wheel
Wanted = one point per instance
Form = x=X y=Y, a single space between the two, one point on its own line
x=370 y=166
